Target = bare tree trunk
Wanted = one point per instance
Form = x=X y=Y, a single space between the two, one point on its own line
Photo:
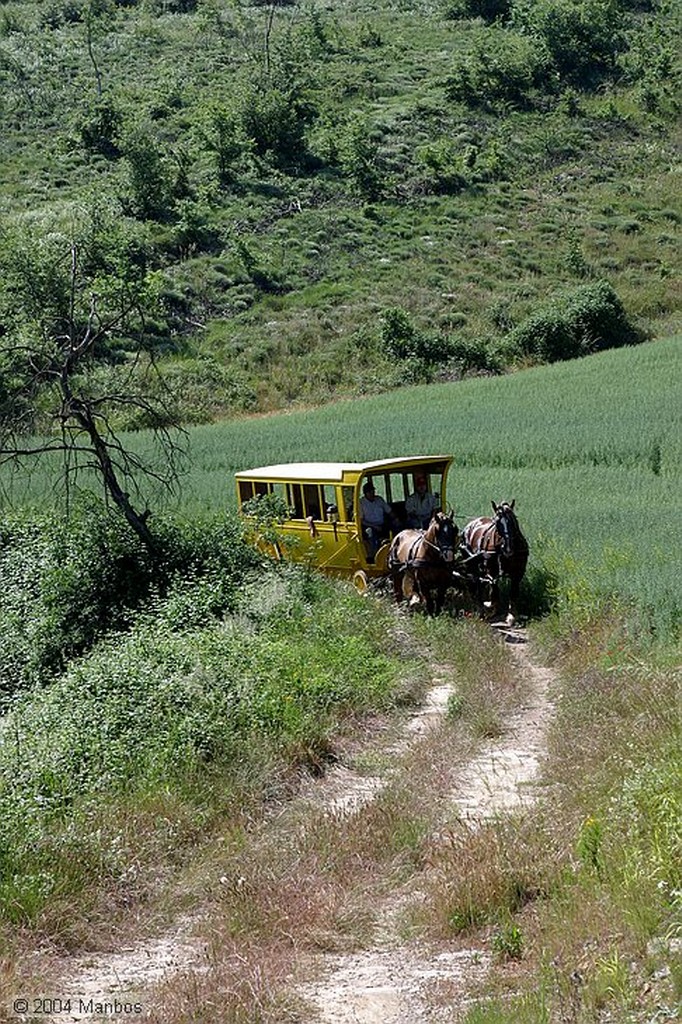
x=268 y=31
x=136 y=520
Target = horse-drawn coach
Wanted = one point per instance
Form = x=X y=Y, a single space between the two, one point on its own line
x=380 y=520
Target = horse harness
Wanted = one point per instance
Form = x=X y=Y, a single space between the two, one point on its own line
x=486 y=555
x=412 y=561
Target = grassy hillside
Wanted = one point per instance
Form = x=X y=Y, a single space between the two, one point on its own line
x=293 y=173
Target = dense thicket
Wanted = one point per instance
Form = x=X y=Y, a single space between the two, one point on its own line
x=70 y=581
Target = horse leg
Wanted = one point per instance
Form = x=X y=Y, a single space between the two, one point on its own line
x=514 y=589
x=397 y=578
x=411 y=589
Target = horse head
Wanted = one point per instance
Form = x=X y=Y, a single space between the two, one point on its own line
x=506 y=525
x=443 y=535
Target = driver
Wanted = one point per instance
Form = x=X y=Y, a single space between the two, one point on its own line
x=420 y=505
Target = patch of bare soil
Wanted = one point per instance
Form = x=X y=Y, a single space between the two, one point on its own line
x=395 y=979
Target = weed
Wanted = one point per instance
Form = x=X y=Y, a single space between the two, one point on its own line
x=589 y=845
x=507 y=942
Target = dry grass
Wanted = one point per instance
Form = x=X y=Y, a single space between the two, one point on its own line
x=482 y=875
x=311 y=880
x=580 y=888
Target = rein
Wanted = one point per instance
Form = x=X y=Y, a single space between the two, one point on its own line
x=412 y=560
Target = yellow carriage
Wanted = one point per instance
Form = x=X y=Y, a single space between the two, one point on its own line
x=315 y=509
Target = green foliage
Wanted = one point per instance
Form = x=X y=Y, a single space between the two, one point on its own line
x=501 y=69
x=489 y=10
x=359 y=158
x=507 y=942
x=99 y=126
x=587 y=319
x=584 y=37
x=70 y=582
x=221 y=133
x=402 y=340
x=589 y=845
x=647 y=816
x=448 y=168
x=176 y=703
x=280 y=119
x=148 y=181
x=275 y=119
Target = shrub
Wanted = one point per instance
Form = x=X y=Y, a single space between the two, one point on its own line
x=402 y=340
x=148 y=187
x=70 y=581
x=359 y=159
x=99 y=125
x=586 y=319
x=220 y=132
x=489 y=10
x=275 y=120
x=174 y=709
x=502 y=69
x=583 y=37
x=472 y=355
x=447 y=168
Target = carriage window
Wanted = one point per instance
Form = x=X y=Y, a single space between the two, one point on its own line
x=330 y=511
x=398 y=485
x=245 y=491
x=295 y=500
x=347 y=499
x=260 y=487
x=311 y=492
x=380 y=486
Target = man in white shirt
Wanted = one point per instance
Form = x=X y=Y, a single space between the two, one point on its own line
x=420 y=506
x=376 y=517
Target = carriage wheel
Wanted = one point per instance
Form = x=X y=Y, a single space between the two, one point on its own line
x=360 y=581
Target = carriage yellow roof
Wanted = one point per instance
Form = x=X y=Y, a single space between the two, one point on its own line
x=335 y=471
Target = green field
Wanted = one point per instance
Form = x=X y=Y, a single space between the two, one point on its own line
x=591 y=451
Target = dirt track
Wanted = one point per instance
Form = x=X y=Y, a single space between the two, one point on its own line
x=391 y=981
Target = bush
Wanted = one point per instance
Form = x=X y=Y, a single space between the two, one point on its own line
x=447 y=168
x=172 y=711
x=501 y=69
x=359 y=158
x=99 y=125
x=489 y=10
x=574 y=323
x=402 y=340
x=275 y=121
x=472 y=355
x=69 y=582
x=583 y=37
x=149 y=185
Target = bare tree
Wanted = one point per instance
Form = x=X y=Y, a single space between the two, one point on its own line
x=68 y=310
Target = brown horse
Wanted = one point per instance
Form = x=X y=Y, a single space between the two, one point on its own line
x=420 y=562
x=493 y=548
